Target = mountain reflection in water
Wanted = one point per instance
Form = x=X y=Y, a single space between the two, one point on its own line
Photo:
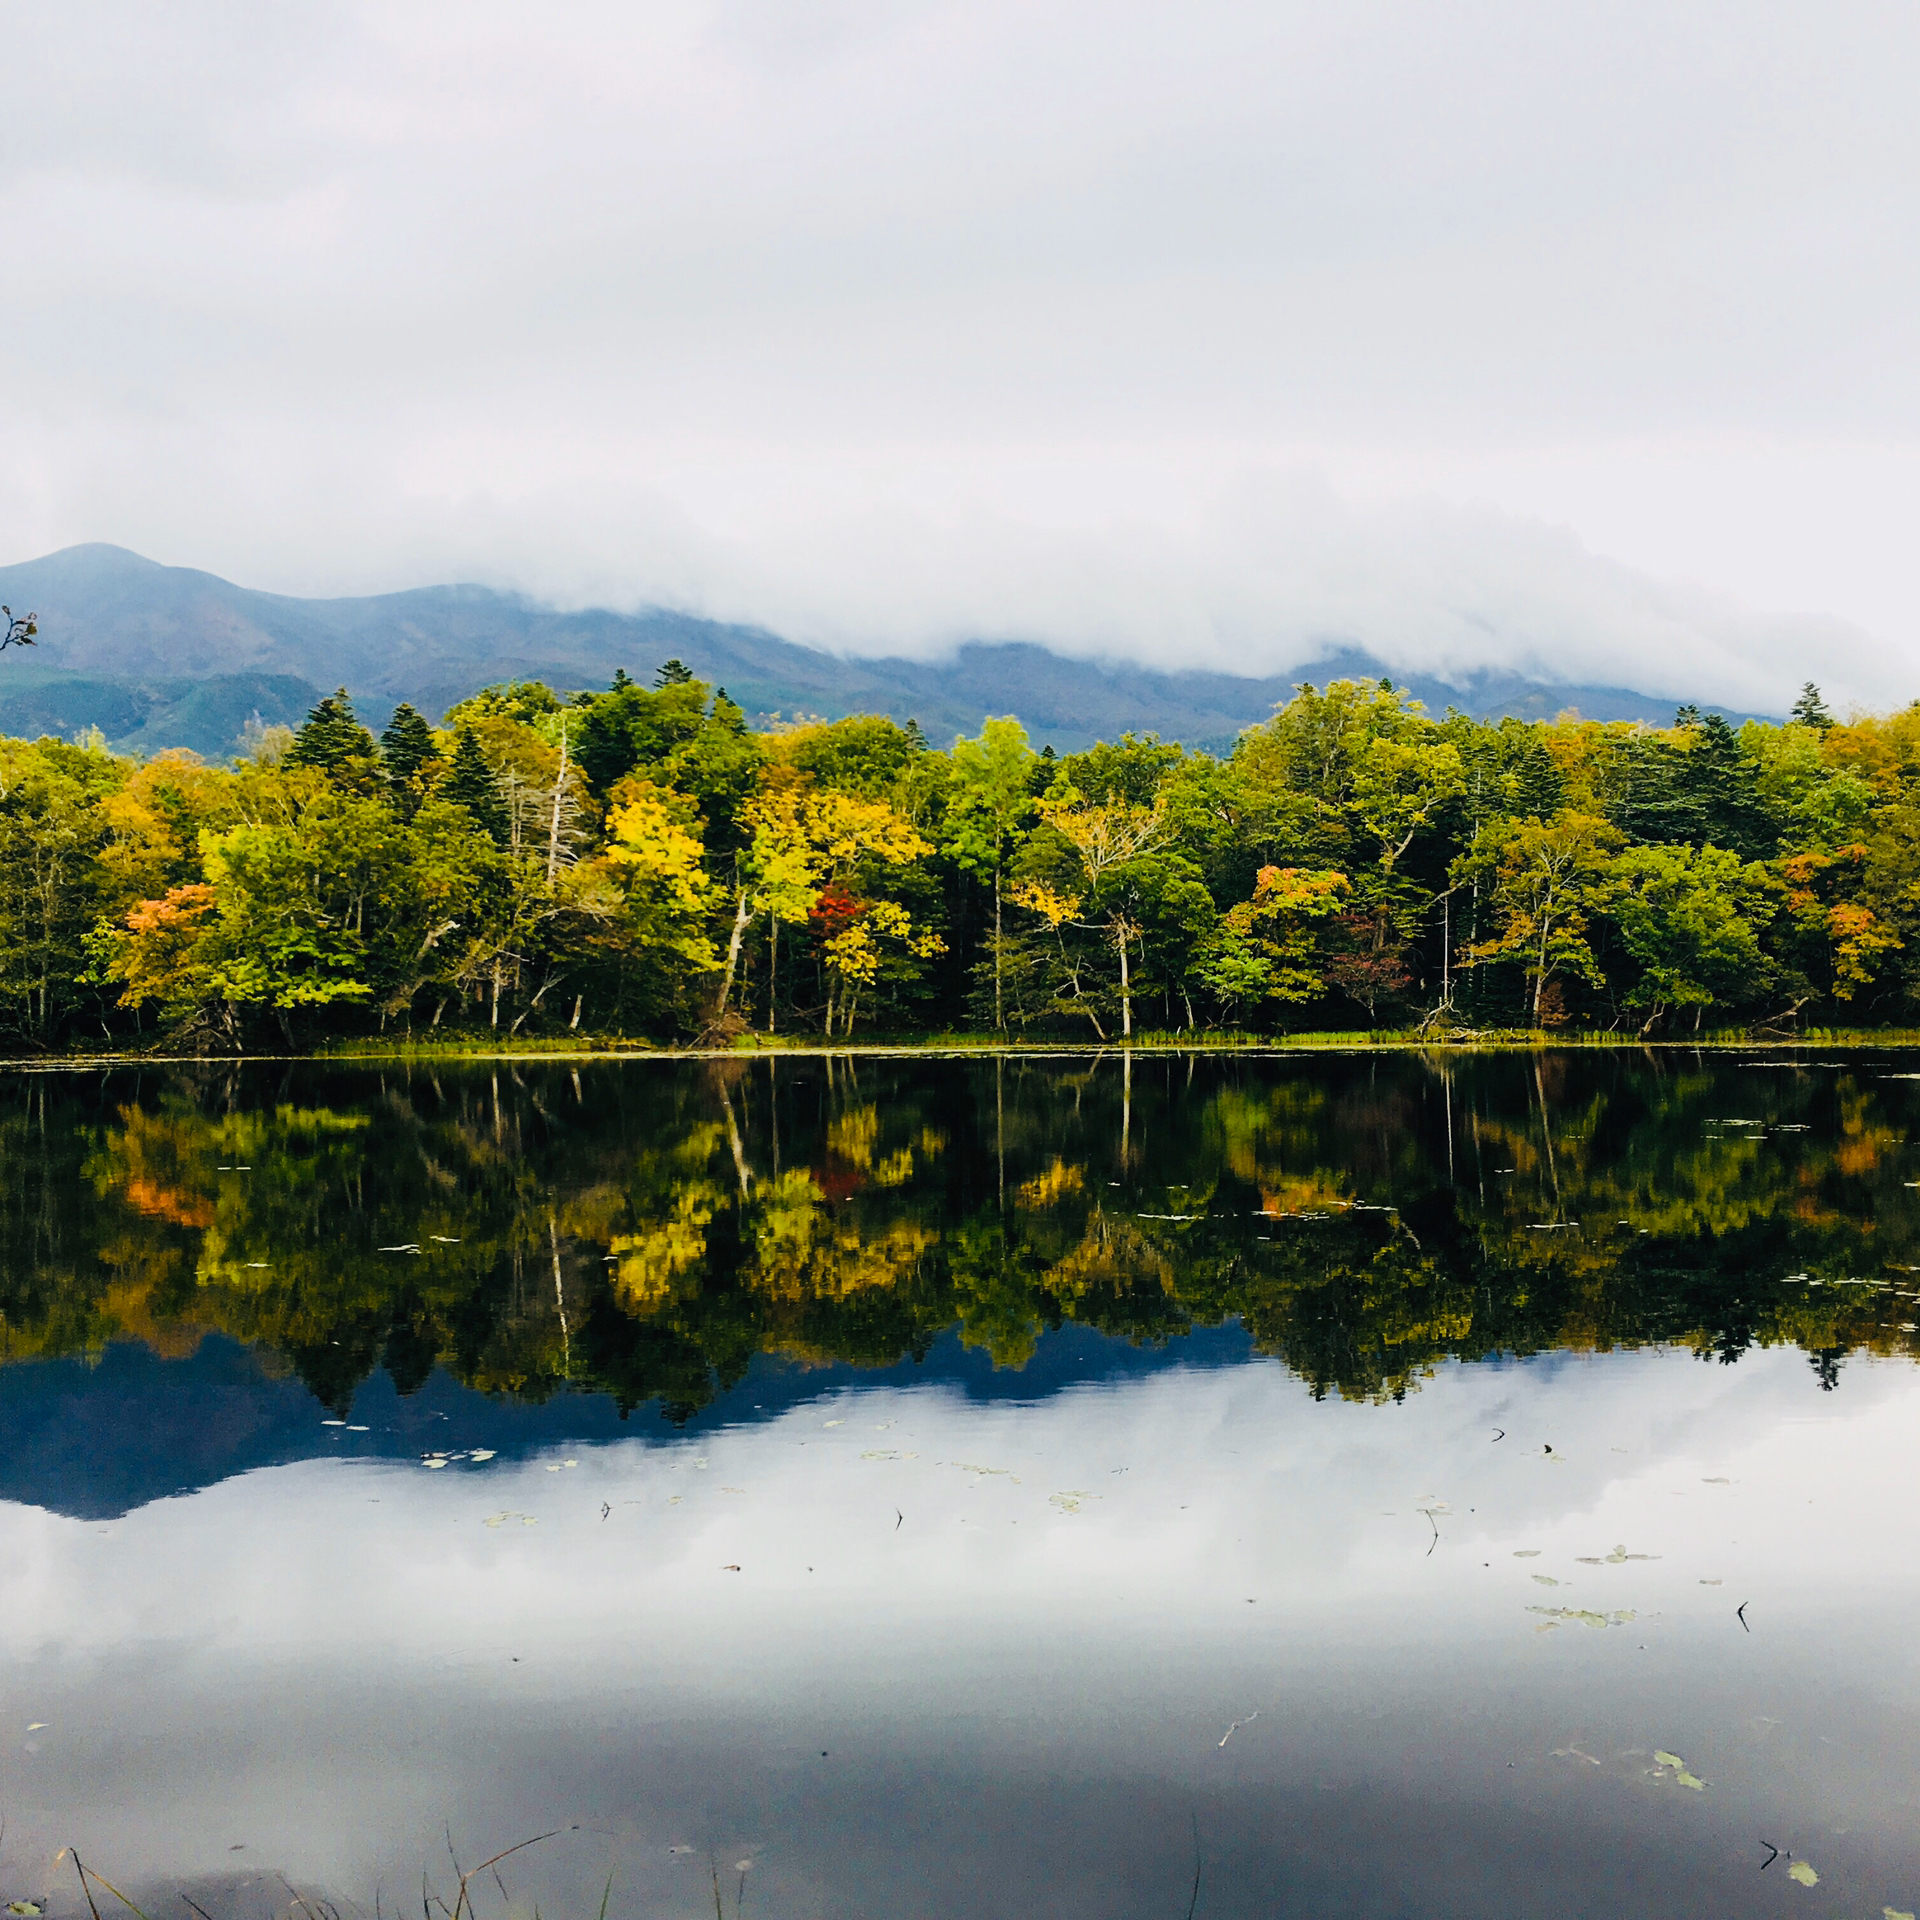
x=960 y=1487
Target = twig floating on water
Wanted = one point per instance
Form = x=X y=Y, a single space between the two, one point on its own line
x=1740 y=1613
x=1238 y=1724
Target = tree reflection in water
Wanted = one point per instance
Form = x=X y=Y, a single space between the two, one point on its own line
x=645 y=1229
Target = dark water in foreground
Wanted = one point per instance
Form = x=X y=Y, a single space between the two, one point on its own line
x=901 y=1487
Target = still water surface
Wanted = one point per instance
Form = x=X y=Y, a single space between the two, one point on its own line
x=943 y=1487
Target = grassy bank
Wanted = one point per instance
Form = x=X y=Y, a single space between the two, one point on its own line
x=457 y=1047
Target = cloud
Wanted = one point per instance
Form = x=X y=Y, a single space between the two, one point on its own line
x=1199 y=336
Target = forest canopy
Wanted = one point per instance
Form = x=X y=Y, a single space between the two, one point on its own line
x=639 y=862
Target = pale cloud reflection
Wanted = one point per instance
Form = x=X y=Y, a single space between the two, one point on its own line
x=327 y=1661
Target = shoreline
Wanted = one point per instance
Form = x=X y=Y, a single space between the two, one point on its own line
x=953 y=1047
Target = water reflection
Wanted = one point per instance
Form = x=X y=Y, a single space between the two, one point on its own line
x=644 y=1231
x=1056 y=1462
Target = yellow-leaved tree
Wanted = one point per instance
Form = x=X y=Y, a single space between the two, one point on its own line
x=804 y=840
x=656 y=847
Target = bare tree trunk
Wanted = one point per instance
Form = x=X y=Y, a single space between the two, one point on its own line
x=1126 y=989
x=773 y=966
x=740 y=918
x=575 y=1021
x=553 y=824
x=999 y=1016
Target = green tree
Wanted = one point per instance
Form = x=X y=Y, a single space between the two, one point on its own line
x=1810 y=710
x=1687 y=916
x=332 y=739
x=991 y=799
x=407 y=752
x=1546 y=879
x=471 y=783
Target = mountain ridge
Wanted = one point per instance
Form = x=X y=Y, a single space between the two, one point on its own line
x=160 y=656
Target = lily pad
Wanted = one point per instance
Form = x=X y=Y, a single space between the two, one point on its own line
x=1544 y=1580
x=1585 y=1615
x=1802 y=1871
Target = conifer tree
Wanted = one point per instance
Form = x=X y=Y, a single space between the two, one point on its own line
x=675 y=673
x=407 y=744
x=470 y=783
x=331 y=737
x=406 y=750
x=1810 y=710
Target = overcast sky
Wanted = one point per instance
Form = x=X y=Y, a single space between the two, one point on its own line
x=1579 y=338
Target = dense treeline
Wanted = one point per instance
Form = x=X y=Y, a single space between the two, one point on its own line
x=638 y=861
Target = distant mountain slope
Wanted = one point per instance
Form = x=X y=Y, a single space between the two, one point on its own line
x=158 y=656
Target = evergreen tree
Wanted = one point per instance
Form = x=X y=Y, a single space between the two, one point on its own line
x=331 y=737
x=470 y=783
x=1715 y=792
x=675 y=673
x=915 y=738
x=406 y=750
x=407 y=745
x=1810 y=710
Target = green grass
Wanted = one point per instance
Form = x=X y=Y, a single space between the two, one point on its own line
x=582 y=1046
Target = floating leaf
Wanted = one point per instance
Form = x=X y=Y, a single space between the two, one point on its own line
x=833 y=1423
x=1069 y=1502
x=25 y=1906
x=880 y=1453
x=34 y=1726
x=1668 y=1759
x=1528 y=1553
x=1804 y=1873
x=1887 y=1913
x=1544 y=1580
x=481 y=1453
x=1585 y=1616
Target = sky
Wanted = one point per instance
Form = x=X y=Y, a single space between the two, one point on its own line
x=1573 y=339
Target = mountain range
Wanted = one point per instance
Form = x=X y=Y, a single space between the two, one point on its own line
x=157 y=656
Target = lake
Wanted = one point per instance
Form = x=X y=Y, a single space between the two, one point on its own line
x=1222 y=1485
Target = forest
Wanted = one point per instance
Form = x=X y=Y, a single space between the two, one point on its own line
x=639 y=863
